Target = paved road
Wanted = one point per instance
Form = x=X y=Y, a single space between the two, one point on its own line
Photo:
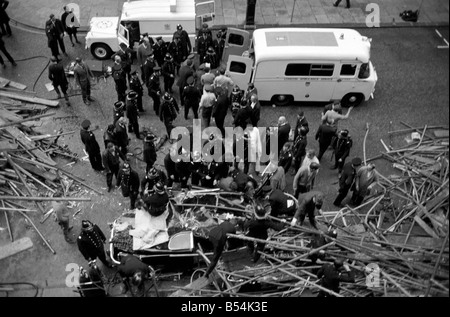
x=413 y=87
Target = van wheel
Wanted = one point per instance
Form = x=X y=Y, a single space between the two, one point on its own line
x=101 y=51
x=352 y=100
x=281 y=100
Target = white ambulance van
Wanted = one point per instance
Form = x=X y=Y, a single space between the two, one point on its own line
x=155 y=17
x=302 y=64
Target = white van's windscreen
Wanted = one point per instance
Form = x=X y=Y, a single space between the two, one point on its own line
x=301 y=39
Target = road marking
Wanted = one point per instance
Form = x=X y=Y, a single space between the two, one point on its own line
x=442 y=46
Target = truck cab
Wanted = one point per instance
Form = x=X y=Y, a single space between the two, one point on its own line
x=155 y=17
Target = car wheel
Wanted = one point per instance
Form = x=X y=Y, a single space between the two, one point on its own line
x=282 y=100
x=101 y=51
x=352 y=100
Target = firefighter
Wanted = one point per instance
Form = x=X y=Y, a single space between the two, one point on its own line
x=132 y=113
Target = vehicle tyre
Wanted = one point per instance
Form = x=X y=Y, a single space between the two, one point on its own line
x=101 y=51
x=352 y=99
x=282 y=100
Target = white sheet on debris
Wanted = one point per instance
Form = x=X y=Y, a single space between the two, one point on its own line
x=149 y=231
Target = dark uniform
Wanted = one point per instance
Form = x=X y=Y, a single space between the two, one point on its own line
x=300 y=149
x=185 y=42
x=342 y=145
x=218 y=238
x=176 y=50
x=90 y=242
x=119 y=111
x=235 y=100
x=154 y=89
x=157 y=201
x=191 y=98
x=160 y=50
x=132 y=114
x=149 y=152
x=109 y=135
x=128 y=180
x=55 y=31
x=195 y=168
x=211 y=58
x=120 y=79
x=324 y=135
x=172 y=175
x=122 y=135
x=301 y=122
x=283 y=136
x=149 y=68
x=219 y=45
x=111 y=162
x=285 y=159
x=168 y=112
x=331 y=275
x=151 y=178
x=58 y=77
x=91 y=146
x=126 y=55
x=168 y=72
x=136 y=86
x=220 y=109
x=257 y=228
x=346 y=179
x=203 y=43
x=184 y=73
x=280 y=203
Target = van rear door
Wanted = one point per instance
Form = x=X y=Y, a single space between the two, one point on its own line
x=240 y=70
x=236 y=43
x=123 y=35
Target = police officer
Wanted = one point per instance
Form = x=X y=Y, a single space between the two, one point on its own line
x=280 y=203
x=176 y=51
x=160 y=50
x=133 y=270
x=211 y=58
x=128 y=180
x=286 y=156
x=119 y=111
x=136 y=86
x=182 y=169
x=157 y=200
x=91 y=146
x=235 y=100
x=90 y=242
x=152 y=177
x=120 y=79
x=109 y=135
x=203 y=43
x=168 y=72
x=149 y=151
x=300 y=148
x=111 y=161
x=148 y=68
x=186 y=46
x=191 y=98
x=342 y=145
x=132 y=114
x=346 y=179
x=195 y=167
x=154 y=89
x=168 y=112
x=219 y=45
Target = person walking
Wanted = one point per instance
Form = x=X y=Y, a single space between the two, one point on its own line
x=307 y=204
x=154 y=89
x=91 y=243
x=346 y=180
x=339 y=1
x=83 y=75
x=149 y=152
x=301 y=122
x=223 y=81
x=128 y=180
x=136 y=86
x=168 y=72
x=4 y=18
x=299 y=148
x=55 y=34
x=132 y=114
x=168 y=112
x=342 y=145
x=176 y=51
x=62 y=216
x=324 y=135
x=111 y=161
x=206 y=105
x=160 y=50
x=220 y=109
x=91 y=146
x=284 y=128
x=304 y=179
x=58 y=77
x=119 y=111
x=7 y=55
x=191 y=97
x=70 y=24
x=143 y=51
x=120 y=78
x=122 y=135
x=148 y=68
x=184 y=73
x=186 y=46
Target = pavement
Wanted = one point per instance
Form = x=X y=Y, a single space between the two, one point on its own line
x=268 y=13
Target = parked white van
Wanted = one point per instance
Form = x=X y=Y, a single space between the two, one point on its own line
x=302 y=64
x=155 y=17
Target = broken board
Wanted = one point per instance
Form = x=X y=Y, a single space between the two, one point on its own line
x=15 y=247
x=22 y=97
x=11 y=83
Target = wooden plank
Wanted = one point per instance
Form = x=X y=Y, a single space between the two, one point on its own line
x=37 y=100
x=27 y=143
x=196 y=285
x=13 y=84
x=441 y=133
x=6 y=145
x=35 y=170
x=425 y=227
x=4 y=82
x=15 y=247
x=12 y=117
